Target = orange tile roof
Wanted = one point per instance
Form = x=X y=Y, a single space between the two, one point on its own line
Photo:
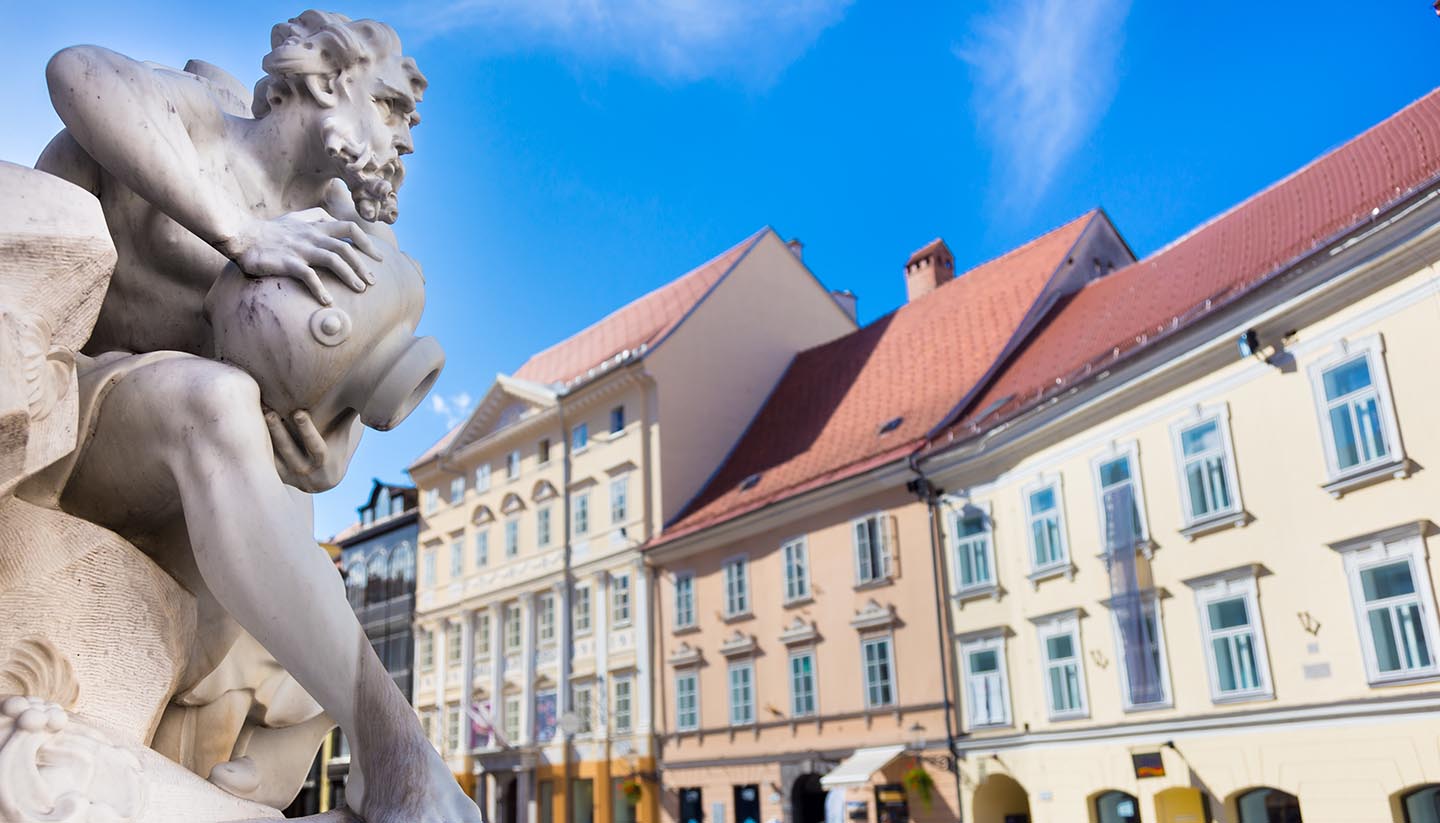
x=823 y=420
x=1217 y=263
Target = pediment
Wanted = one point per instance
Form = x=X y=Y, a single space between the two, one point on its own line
x=543 y=490
x=685 y=655
x=482 y=515
x=874 y=616
x=508 y=401
x=738 y=644
x=512 y=503
x=798 y=632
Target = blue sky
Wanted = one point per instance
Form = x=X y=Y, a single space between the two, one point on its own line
x=575 y=154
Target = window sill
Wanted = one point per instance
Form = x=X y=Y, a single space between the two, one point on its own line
x=1215 y=523
x=1065 y=569
x=613 y=436
x=877 y=583
x=621 y=624
x=738 y=617
x=991 y=590
x=1146 y=547
x=1405 y=679
x=979 y=728
x=579 y=450
x=688 y=628
x=798 y=601
x=1149 y=707
x=1068 y=716
x=1246 y=697
x=1358 y=478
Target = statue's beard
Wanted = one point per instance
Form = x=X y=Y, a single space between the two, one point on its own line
x=372 y=183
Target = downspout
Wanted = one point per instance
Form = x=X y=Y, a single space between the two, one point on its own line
x=567 y=652
x=930 y=495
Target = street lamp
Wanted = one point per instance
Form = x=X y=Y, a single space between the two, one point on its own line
x=917 y=744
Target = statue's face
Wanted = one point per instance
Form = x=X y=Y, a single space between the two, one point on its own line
x=368 y=131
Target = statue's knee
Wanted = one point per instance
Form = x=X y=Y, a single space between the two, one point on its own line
x=225 y=403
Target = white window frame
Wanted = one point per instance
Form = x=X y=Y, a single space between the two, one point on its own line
x=545 y=619
x=1219 y=414
x=457 y=489
x=580 y=437
x=889 y=641
x=452 y=728
x=1067 y=623
x=1231 y=585
x=992 y=641
x=542 y=526
x=425 y=650
x=454 y=645
x=627 y=713
x=737 y=597
x=1055 y=484
x=955 y=510
x=512 y=465
x=512 y=536
x=795 y=557
x=1167 y=694
x=482 y=548
x=513 y=616
x=693 y=723
x=885 y=530
x=429 y=565
x=1131 y=451
x=582 y=595
x=510 y=723
x=432 y=500
x=580 y=513
x=621 y=604
x=796 y=711
x=457 y=557
x=749 y=714
x=1372 y=347
x=482 y=478
x=543 y=448
x=584 y=709
x=685 y=600
x=482 y=635
x=620 y=498
x=1383 y=549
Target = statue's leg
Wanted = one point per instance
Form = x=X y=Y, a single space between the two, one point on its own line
x=191 y=430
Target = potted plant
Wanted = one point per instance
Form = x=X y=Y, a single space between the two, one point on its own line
x=631 y=789
x=919 y=783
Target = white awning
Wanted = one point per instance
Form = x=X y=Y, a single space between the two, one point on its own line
x=857 y=768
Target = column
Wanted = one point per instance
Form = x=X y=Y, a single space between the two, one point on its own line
x=467 y=674
x=601 y=698
x=438 y=647
x=566 y=648
x=641 y=619
x=527 y=666
x=497 y=674
x=524 y=796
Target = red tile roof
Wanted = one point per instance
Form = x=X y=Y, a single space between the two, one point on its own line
x=643 y=322
x=822 y=421
x=1217 y=263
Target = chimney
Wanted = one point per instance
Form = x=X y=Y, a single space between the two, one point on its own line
x=847 y=301
x=798 y=249
x=929 y=268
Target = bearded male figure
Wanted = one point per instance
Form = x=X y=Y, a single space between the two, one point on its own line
x=180 y=453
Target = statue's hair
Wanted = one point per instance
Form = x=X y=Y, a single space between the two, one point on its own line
x=322 y=43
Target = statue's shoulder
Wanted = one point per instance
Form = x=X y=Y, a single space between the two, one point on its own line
x=203 y=91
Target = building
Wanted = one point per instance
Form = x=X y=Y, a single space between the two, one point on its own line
x=534 y=630
x=798 y=628
x=1187 y=525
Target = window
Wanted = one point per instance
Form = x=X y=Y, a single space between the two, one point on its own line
x=1117 y=807
x=1234 y=642
x=1268 y=805
x=797 y=570
x=684 y=600
x=1422 y=805
x=512 y=465
x=580 y=610
x=802 y=683
x=622 y=704
x=457 y=558
x=545 y=620
x=579 y=437
x=619 y=503
x=427 y=724
x=1203 y=451
x=543 y=450
x=482 y=478
x=457 y=489
x=580 y=506
x=872 y=537
x=1394 y=619
x=737 y=586
x=986 y=685
x=1352 y=393
x=620 y=599
x=512 y=537
x=970 y=547
x=482 y=636
x=1047 y=530
x=426 y=650
x=1122 y=521
x=1140 y=639
x=1061 y=667
x=512 y=627
x=584 y=708
x=432 y=500
x=430 y=563
x=397 y=504
x=742 y=693
x=367 y=516
x=452 y=728
x=512 y=719
x=542 y=526
x=687 y=701
x=879 y=672
x=453 y=645
x=617 y=419
x=482 y=547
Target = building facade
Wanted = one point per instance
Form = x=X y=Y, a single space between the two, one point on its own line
x=1187 y=528
x=798 y=608
x=534 y=628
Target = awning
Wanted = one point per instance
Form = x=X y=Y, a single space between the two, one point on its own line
x=856 y=769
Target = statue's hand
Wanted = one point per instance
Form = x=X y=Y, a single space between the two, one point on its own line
x=297 y=244
x=306 y=460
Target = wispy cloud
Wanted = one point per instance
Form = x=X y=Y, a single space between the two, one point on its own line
x=1044 y=74
x=672 y=40
x=454 y=409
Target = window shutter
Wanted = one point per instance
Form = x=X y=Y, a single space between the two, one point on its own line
x=862 y=551
x=889 y=557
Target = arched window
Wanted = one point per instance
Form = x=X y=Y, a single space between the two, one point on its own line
x=1117 y=807
x=355 y=583
x=375 y=585
x=1266 y=805
x=402 y=570
x=1422 y=805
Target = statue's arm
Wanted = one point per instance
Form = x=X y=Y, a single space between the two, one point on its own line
x=143 y=128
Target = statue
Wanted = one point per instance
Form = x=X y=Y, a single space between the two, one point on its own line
x=258 y=315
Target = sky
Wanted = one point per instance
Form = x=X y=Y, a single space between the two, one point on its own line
x=575 y=154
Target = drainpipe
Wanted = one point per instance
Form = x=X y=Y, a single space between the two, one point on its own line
x=929 y=494
x=567 y=627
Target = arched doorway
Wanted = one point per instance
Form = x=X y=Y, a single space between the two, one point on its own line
x=1116 y=807
x=1267 y=805
x=1422 y=804
x=1000 y=799
x=807 y=800
x=1181 y=804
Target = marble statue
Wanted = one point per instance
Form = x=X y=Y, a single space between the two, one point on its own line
x=202 y=305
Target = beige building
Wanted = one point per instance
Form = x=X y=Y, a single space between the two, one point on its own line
x=1188 y=527
x=798 y=631
x=533 y=629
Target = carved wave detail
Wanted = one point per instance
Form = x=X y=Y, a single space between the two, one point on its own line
x=38 y=669
x=55 y=769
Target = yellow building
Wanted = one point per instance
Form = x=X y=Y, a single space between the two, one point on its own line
x=1187 y=527
x=534 y=635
